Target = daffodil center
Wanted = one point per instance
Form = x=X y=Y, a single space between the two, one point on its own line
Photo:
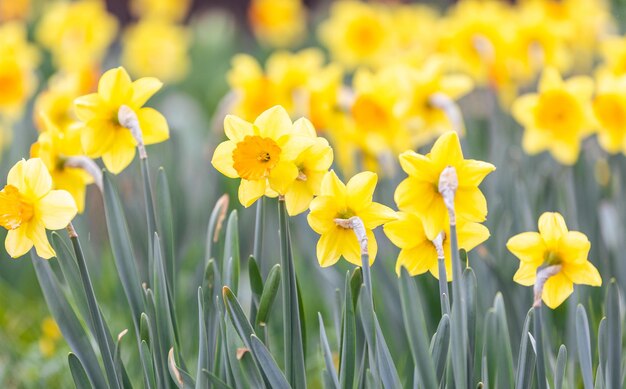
x=551 y=257
x=255 y=156
x=369 y=114
x=559 y=112
x=345 y=214
x=15 y=210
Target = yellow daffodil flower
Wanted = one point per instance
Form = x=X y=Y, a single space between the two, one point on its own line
x=554 y=244
x=52 y=150
x=29 y=206
x=167 y=10
x=609 y=107
x=312 y=164
x=558 y=117
x=418 y=254
x=357 y=33
x=262 y=153
x=343 y=201
x=278 y=23
x=14 y=10
x=77 y=33
x=613 y=51
x=103 y=135
x=50 y=336
x=18 y=63
x=419 y=193
x=158 y=48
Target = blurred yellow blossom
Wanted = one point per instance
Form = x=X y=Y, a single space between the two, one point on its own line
x=158 y=48
x=77 y=33
x=262 y=153
x=613 y=52
x=103 y=134
x=419 y=192
x=343 y=201
x=357 y=33
x=29 y=206
x=278 y=23
x=50 y=335
x=554 y=245
x=558 y=117
x=418 y=254
x=166 y=10
x=14 y=10
x=609 y=107
x=54 y=151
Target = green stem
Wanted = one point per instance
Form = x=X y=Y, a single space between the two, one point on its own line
x=443 y=287
x=150 y=215
x=541 y=364
x=96 y=316
x=367 y=278
x=258 y=232
x=459 y=315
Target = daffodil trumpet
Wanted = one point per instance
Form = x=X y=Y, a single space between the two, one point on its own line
x=443 y=279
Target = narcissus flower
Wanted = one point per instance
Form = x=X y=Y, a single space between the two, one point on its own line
x=558 y=117
x=419 y=192
x=609 y=107
x=418 y=254
x=103 y=135
x=77 y=33
x=158 y=48
x=554 y=245
x=29 y=206
x=278 y=23
x=167 y=10
x=262 y=153
x=312 y=163
x=343 y=201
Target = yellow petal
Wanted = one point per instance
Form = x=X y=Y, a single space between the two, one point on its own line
x=323 y=212
x=31 y=178
x=435 y=219
x=574 y=247
x=471 y=235
x=298 y=198
x=56 y=209
x=470 y=204
x=456 y=86
x=535 y=141
x=550 y=79
x=372 y=246
x=413 y=195
x=565 y=152
x=527 y=247
x=294 y=146
x=523 y=109
x=115 y=86
x=154 y=128
x=282 y=176
x=17 y=243
x=37 y=233
x=407 y=231
x=418 y=166
x=583 y=273
x=223 y=159
x=434 y=268
x=332 y=186
x=446 y=151
x=360 y=190
x=88 y=107
x=552 y=227
x=274 y=123
x=97 y=137
x=331 y=245
x=303 y=127
x=581 y=87
x=251 y=191
x=376 y=214
x=121 y=153
x=236 y=128
x=143 y=89
x=556 y=290
x=418 y=259
x=526 y=274
x=472 y=172
x=351 y=248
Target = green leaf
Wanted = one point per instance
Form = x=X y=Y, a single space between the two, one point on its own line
x=416 y=331
x=561 y=363
x=440 y=347
x=146 y=356
x=202 y=380
x=122 y=249
x=355 y=285
x=165 y=223
x=237 y=316
x=603 y=348
x=470 y=284
x=614 y=332
x=526 y=358
x=158 y=348
x=506 y=371
x=490 y=349
x=79 y=375
x=268 y=365
x=216 y=382
x=330 y=375
x=149 y=203
x=583 y=343
x=458 y=318
x=270 y=290
x=256 y=281
x=347 y=350
x=181 y=378
x=388 y=371
x=67 y=321
x=218 y=215
x=231 y=252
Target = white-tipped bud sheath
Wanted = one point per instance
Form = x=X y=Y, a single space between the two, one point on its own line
x=448 y=184
x=449 y=107
x=543 y=273
x=88 y=165
x=128 y=119
x=438 y=242
x=356 y=224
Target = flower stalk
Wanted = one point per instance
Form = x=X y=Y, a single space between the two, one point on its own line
x=443 y=279
x=543 y=274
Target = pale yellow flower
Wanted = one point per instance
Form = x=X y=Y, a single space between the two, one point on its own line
x=278 y=23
